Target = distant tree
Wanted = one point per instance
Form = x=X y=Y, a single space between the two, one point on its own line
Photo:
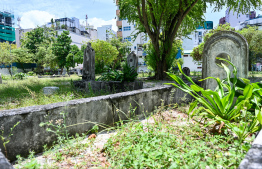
x=70 y=59
x=22 y=55
x=122 y=47
x=254 y=39
x=151 y=57
x=165 y=20
x=61 y=49
x=105 y=54
x=6 y=57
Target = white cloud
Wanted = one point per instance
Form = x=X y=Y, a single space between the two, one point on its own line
x=98 y=22
x=34 y=18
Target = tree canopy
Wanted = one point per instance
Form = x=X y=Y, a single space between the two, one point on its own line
x=61 y=49
x=163 y=21
x=105 y=54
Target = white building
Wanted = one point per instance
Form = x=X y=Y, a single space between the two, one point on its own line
x=105 y=32
x=194 y=39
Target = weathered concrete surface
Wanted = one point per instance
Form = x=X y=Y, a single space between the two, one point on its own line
x=253 y=158
x=89 y=63
x=28 y=135
x=4 y=163
x=109 y=86
x=223 y=44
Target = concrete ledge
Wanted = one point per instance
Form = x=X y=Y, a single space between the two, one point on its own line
x=4 y=163
x=253 y=158
x=28 y=135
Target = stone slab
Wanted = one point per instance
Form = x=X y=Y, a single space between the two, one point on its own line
x=50 y=90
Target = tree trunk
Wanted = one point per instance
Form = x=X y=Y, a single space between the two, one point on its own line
x=161 y=68
x=62 y=70
x=10 y=72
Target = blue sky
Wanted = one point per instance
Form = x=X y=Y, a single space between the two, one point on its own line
x=100 y=12
x=38 y=12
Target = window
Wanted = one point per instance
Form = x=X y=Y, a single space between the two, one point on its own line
x=185 y=55
x=127 y=28
x=199 y=33
x=238 y=15
x=127 y=39
x=134 y=47
x=247 y=15
x=199 y=67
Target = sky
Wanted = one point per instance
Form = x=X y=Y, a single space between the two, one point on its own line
x=100 y=12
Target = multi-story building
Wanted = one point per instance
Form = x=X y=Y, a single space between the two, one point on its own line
x=252 y=22
x=194 y=39
x=7 y=31
x=105 y=32
x=125 y=30
x=234 y=18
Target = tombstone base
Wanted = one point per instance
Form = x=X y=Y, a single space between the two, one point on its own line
x=110 y=86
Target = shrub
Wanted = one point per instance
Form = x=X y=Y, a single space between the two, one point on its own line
x=19 y=76
x=130 y=73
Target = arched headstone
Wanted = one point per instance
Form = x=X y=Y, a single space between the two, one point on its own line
x=228 y=45
x=132 y=60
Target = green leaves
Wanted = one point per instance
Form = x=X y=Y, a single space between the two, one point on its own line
x=219 y=105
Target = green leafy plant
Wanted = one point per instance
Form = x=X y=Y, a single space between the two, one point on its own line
x=7 y=139
x=19 y=76
x=219 y=105
x=58 y=127
x=31 y=73
x=111 y=75
x=130 y=73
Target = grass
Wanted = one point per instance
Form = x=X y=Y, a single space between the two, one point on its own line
x=167 y=139
x=29 y=92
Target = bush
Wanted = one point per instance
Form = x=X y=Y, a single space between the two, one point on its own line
x=130 y=73
x=31 y=73
x=111 y=75
x=19 y=76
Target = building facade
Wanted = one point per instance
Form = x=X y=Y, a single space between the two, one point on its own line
x=234 y=18
x=193 y=40
x=7 y=31
x=105 y=32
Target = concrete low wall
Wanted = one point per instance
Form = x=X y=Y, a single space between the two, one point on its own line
x=253 y=158
x=28 y=135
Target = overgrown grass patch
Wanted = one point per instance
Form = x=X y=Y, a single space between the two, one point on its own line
x=169 y=140
x=29 y=92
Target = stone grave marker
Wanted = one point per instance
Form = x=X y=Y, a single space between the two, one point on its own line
x=1 y=81
x=185 y=70
x=89 y=63
x=132 y=60
x=228 y=45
